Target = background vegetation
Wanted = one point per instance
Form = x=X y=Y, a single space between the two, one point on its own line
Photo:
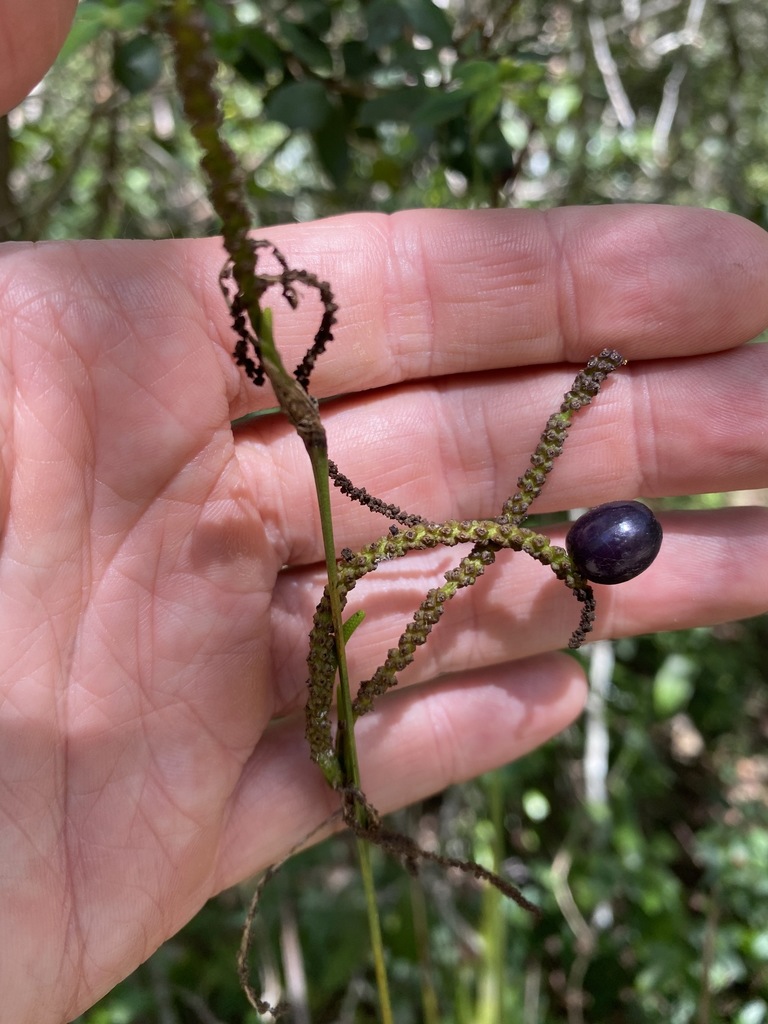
x=643 y=831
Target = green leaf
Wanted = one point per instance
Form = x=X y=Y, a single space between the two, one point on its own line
x=300 y=105
x=563 y=101
x=333 y=149
x=89 y=24
x=358 y=59
x=522 y=68
x=385 y=23
x=673 y=686
x=314 y=14
x=475 y=75
x=441 y=107
x=222 y=25
x=137 y=63
x=395 y=105
x=428 y=20
x=131 y=15
x=351 y=624
x=492 y=151
x=94 y=18
x=485 y=106
x=310 y=50
x=256 y=43
x=388 y=170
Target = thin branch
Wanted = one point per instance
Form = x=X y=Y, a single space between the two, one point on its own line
x=608 y=68
x=597 y=739
x=667 y=110
x=293 y=964
x=688 y=36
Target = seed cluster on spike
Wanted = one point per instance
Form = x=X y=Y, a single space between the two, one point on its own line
x=487 y=536
x=244 y=284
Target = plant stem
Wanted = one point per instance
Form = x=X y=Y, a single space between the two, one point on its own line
x=490 y=1001
x=374 y=926
x=195 y=71
x=349 y=776
x=350 y=772
x=350 y=766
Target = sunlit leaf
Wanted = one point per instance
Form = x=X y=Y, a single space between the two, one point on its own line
x=672 y=686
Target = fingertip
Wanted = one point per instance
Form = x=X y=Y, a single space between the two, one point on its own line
x=659 y=281
x=32 y=35
x=416 y=743
x=427 y=738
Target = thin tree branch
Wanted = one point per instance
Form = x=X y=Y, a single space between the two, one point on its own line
x=608 y=68
x=665 y=117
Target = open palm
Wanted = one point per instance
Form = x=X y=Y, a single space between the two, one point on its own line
x=159 y=572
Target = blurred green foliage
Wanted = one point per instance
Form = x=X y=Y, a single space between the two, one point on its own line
x=654 y=902
x=385 y=104
x=650 y=861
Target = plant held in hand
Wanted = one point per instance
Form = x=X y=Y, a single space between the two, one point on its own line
x=244 y=285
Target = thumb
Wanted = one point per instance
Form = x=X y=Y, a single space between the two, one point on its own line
x=31 y=35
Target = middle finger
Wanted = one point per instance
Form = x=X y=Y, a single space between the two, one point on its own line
x=454 y=449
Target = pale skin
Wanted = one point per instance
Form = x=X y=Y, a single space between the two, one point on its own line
x=158 y=573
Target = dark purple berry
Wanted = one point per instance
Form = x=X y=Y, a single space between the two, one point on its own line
x=615 y=542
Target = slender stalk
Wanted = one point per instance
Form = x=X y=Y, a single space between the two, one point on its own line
x=430 y=1008
x=317 y=449
x=490 y=1002
x=374 y=927
x=195 y=69
x=348 y=749
x=350 y=766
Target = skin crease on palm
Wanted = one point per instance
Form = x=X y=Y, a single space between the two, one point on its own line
x=158 y=575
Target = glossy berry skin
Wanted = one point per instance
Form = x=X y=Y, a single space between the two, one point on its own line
x=615 y=542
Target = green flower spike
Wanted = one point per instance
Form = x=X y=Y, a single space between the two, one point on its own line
x=487 y=537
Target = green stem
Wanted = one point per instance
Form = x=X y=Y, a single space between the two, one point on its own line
x=350 y=767
x=490 y=1003
x=347 y=747
x=349 y=770
x=196 y=71
x=374 y=926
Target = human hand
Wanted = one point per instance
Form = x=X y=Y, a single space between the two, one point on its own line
x=159 y=572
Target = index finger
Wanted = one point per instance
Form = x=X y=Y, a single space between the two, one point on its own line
x=436 y=292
